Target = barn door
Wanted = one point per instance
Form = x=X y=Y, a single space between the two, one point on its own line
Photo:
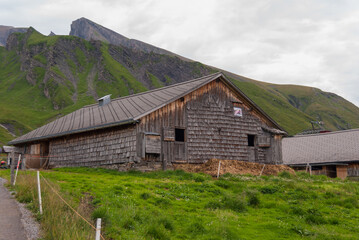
x=44 y=154
x=168 y=145
x=252 y=148
x=180 y=145
x=174 y=144
x=180 y=151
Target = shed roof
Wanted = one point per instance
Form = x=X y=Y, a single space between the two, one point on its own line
x=339 y=146
x=125 y=110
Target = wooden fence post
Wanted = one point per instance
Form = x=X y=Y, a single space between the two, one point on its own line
x=39 y=191
x=262 y=170
x=17 y=169
x=12 y=167
x=98 y=228
x=219 y=168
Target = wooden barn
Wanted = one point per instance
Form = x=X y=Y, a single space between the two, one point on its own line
x=335 y=154
x=189 y=122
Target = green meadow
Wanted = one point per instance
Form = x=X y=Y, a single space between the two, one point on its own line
x=180 y=205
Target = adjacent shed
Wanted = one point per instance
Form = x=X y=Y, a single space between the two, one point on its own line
x=335 y=154
x=189 y=122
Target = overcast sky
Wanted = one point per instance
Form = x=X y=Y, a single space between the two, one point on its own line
x=304 y=42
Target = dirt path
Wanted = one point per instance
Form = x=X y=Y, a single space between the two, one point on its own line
x=11 y=227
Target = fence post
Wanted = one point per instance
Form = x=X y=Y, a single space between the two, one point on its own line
x=262 y=170
x=17 y=169
x=12 y=167
x=219 y=168
x=39 y=191
x=98 y=228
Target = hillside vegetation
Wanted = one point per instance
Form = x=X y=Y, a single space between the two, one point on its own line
x=179 y=205
x=45 y=77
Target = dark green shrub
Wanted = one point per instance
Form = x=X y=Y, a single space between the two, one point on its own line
x=162 y=201
x=129 y=224
x=297 y=210
x=333 y=221
x=315 y=219
x=157 y=232
x=253 y=198
x=222 y=184
x=24 y=196
x=145 y=196
x=100 y=212
x=270 y=189
x=117 y=189
x=235 y=203
x=214 y=204
x=350 y=203
x=167 y=223
x=196 y=228
x=285 y=174
x=314 y=216
x=199 y=178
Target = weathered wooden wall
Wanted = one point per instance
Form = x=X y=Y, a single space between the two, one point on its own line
x=353 y=170
x=96 y=148
x=211 y=129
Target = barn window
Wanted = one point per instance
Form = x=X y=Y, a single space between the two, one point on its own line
x=317 y=168
x=179 y=134
x=251 y=139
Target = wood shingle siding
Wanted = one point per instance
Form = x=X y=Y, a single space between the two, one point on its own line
x=104 y=147
x=189 y=122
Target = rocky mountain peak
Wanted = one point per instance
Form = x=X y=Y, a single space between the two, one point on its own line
x=89 y=30
x=5 y=31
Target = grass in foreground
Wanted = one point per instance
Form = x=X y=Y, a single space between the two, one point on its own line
x=179 y=205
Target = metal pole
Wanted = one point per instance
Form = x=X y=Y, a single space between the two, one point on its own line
x=17 y=169
x=219 y=168
x=98 y=228
x=39 y=191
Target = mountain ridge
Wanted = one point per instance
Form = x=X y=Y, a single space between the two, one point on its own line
x=44 y=77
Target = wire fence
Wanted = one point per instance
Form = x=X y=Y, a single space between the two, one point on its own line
x=67 y=204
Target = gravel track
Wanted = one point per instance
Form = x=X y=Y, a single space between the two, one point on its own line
x=16 y=222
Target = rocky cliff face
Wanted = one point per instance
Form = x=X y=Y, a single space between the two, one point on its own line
x=43 y=77
x=60 y=65
x=5 y=31
x=89 y=30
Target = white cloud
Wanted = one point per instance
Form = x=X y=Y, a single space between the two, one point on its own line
x=305 y=42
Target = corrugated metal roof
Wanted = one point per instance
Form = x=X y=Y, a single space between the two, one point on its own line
x=340 y=146
x=124 y=110
x=119 y=111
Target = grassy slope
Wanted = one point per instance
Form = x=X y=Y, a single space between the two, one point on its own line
x=178 y=205
x=291 y=119
x=21 y=103
x=321 y=105
x=26 y=107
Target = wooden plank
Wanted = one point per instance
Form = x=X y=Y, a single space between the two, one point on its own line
x=153 y=144
x=169 y=134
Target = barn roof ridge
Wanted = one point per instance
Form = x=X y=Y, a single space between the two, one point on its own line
x=217 y=74
x=125 y=110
